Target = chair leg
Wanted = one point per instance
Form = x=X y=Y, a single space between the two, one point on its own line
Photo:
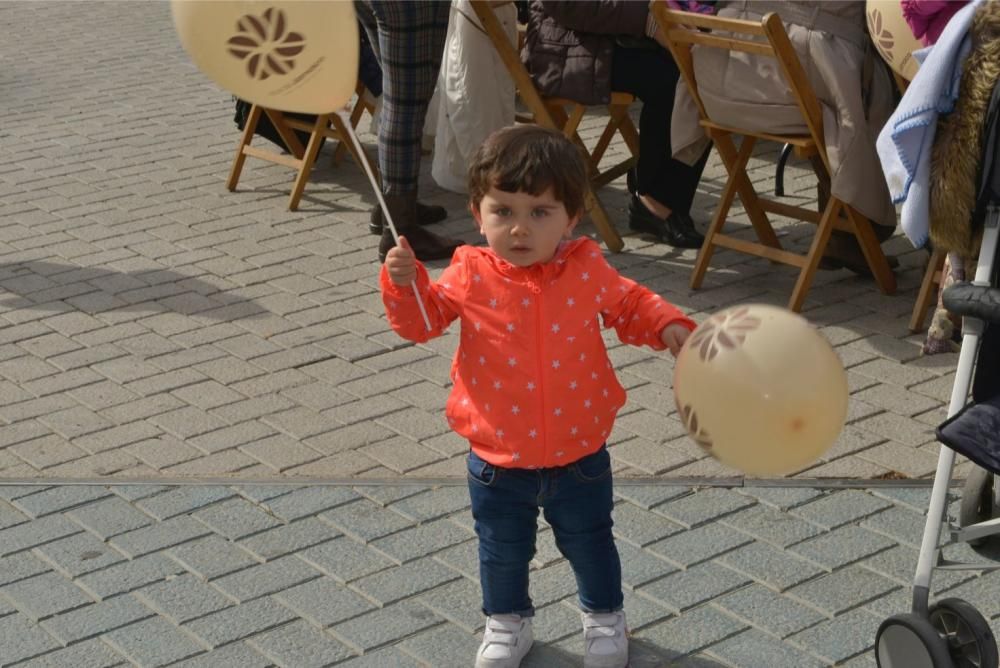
x=312 y=149
x=728 y=154
x=289 y=137
x=779 y=171
x=359 y=108
x=815 y=254
x=338 y=125
x=603 y=224
x=872 y=250
x=925 y=296
x=241 y=157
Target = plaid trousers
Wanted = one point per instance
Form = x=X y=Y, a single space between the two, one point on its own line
x=409 y=39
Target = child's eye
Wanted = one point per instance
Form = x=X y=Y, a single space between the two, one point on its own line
x=540 y=213
x=502 y=211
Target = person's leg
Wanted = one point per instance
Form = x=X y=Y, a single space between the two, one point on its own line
x=505 y=510
x=578 y=508
x=410 y=38
x=669 y=181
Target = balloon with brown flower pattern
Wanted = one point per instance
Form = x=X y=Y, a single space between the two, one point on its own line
x=761 y=390
x=290 y=55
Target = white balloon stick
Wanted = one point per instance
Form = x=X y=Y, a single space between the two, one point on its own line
x=377 y=187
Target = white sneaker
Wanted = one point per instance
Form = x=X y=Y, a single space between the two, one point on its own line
x=506 y=640
x=606 y=640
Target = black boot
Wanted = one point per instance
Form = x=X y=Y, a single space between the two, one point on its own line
x=426 y=245
x=427 y=214
x=677 y=230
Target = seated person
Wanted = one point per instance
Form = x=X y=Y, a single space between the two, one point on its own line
x=851 y=83
x=583 y=50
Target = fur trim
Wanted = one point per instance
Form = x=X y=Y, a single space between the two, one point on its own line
x=957 y=147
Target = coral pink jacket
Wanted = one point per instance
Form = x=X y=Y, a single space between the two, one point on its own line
x=533 y=385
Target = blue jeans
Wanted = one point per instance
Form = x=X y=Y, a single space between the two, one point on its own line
x=577 y=502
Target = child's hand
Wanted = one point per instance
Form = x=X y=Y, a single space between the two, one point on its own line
x=674 y=336
x=401 y=263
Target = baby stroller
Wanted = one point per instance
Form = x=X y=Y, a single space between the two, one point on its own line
x=951 y=632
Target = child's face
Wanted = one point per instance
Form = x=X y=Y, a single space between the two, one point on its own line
x=521 y=228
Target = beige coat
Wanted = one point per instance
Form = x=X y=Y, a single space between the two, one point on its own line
x=747 y=91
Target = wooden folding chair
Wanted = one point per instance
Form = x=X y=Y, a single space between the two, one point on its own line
x=565 y=116
x=766 y=38
x=301 y=159
x=928 y=290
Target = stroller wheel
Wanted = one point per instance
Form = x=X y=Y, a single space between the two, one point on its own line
x=970 y=639
x=910 y=641
x=977 y=501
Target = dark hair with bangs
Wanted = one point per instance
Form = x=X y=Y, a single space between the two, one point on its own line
x=529 y=158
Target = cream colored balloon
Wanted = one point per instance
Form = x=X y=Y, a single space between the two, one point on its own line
x=761 y=390
x=892 y=36
x=291 y=55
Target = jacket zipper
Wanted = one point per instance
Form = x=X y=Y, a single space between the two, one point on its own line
x=539 y=362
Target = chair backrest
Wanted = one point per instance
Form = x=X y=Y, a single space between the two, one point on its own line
x=684 y=30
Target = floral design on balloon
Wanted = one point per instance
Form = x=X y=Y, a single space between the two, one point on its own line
x=727 y=329
x=265 y=43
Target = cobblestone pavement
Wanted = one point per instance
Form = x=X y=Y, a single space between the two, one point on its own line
x=385 y=576
x=157 y=329
x=154 y=324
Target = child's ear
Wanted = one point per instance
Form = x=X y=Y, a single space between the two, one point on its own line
x=477 y=215
x=572 y=224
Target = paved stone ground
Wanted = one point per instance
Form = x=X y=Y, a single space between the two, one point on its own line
x=385 y=575
x=156 y=328
x=154 y=324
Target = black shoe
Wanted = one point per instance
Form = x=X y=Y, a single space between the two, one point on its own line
x=427 y=214
x=677 y=230
x=426 y=245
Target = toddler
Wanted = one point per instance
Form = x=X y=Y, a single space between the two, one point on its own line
x=533 y=389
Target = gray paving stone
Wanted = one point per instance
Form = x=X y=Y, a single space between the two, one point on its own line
x=236 y=518
x=387 y=625
x=79 y=554
x=842 y=546
x=20 y=566
x=56 y=499
x=839 y=591
x=238 y=622
x=365 y=521
x=23 y=640
x=422 y=540
x=648 y=496
x=840 y=638
x=130 y=575
x=767 y=564
x=903 y=525
x=109 y=517
x=324 y=602
x=404 y=581
x=841 y=507
x=771 y=525
x=45 y=595
x=264 y=579
x=641 y=527
x=763 y=608
x=153 y=641
x=703 y=506
x=445 y=645
x=755 y=648
x=211 y=557
x=457 y=601
x=344 y=559
x=782 y=498
x=390 y=656
x=181 y=500
x=640 y=566
x=308 y=501
x=691 y=631
x=699 y=544
x=289 y=538
x=183 y=598
x=167 y=533
x=94 y=620
x=299 y=644
x=434 y=503
x=685 y=589
x=92 y=653
x=237 y=655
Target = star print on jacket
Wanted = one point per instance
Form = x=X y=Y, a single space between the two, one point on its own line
x=558 y=402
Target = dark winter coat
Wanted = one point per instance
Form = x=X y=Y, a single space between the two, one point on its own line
x=570 y=44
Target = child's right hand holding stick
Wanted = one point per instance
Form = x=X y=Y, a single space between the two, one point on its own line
x=401 y=263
